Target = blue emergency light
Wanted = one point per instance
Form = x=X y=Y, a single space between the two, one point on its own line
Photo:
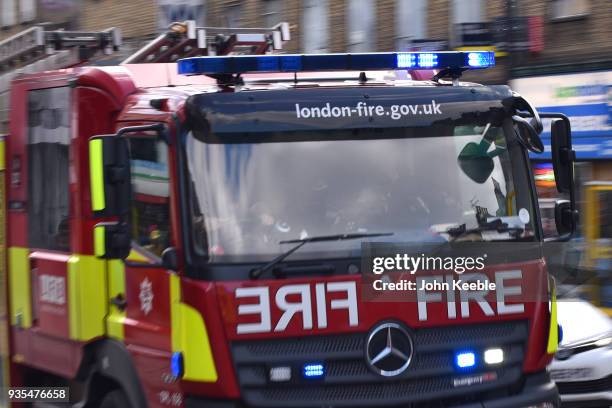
x=237 y=64
x=313 y=370
x=465 y=359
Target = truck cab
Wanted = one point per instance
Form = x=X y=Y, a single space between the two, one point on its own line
x=202 y=239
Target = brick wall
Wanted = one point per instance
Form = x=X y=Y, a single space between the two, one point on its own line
x=135 y=18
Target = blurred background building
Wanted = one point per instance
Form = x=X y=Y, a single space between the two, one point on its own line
x=530 y=37
x=557 y=53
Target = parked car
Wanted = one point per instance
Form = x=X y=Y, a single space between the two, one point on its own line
x=582 y=367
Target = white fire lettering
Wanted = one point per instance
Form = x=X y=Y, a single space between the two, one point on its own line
x=476 y=295
x=262 y=308
x=503 y=291
x=290 y=309
x=303 y=306
x=468 y=297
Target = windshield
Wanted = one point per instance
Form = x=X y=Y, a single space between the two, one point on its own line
x=250 y=191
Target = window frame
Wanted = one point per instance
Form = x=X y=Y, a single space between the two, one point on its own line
x=558 y=17
x=27 y=11
x=8 y=13
x=405 y=17
x=153 y=259
x=233 y=14
x=357 y=16
x=30 y=173
x=313 y=39
x=273 y=12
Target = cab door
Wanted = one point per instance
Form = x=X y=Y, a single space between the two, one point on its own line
x=140 y=287
x=57 y=288
x=40 y=219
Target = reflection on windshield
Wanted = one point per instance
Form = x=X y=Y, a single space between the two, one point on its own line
x=250 y=196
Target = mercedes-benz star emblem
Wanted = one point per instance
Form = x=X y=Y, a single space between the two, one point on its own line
x=389 y=349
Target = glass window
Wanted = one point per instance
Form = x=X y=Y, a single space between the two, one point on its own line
x=564 y=9
x=273 y=12
x=27 y=10
x=48 y=162
x=410 y=22
x=7 y=13
x=151 y=191
x=233 y=15
x=315 y=26
x=169 y=11
x=361 y=26
x=352 y=181
x=468 y=11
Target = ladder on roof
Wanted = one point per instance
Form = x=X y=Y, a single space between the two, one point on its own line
x=35 y=43
x=35 y=50
x=183 y=40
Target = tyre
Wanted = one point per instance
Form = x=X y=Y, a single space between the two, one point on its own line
x=115 y=399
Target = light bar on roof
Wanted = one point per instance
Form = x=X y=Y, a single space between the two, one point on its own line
x=238 y=64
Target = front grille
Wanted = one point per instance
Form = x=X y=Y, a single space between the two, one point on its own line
x=349 y=382
x=583 y=387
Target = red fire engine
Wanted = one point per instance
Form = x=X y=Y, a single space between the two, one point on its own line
x=194 y=233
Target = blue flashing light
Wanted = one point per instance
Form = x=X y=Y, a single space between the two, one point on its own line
x=236 y=64
x=406 y=60
x=176 y=364
x=480 y=59
x=465 y=359
x=313 y=370
x=428 y=60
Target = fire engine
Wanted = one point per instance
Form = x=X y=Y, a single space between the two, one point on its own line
x=188 y=228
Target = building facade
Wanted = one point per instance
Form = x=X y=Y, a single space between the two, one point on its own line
x=530 y=36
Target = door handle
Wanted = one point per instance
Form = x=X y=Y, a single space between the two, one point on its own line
x=119 y=301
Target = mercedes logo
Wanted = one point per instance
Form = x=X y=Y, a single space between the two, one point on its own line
x=389 y=349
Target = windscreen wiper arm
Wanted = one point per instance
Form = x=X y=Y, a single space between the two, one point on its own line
x=257 y=272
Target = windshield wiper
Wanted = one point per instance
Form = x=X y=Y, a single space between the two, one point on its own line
x=257 y=272
x=496 y=225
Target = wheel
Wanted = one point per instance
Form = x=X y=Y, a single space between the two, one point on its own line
x=115 y=399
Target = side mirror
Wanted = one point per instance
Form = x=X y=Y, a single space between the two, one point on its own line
x=528 y=135
x=563 y=157
x=109 y=170
x=562 y=154
x=111 y=189
x=565 y=218
x=475 y=162
x=528 y=122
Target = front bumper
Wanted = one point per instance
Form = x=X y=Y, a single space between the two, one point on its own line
x=537 y=391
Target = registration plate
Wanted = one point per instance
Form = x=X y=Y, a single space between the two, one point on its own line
x=571 y=374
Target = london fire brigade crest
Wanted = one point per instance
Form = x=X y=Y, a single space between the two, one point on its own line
x=146 y=296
